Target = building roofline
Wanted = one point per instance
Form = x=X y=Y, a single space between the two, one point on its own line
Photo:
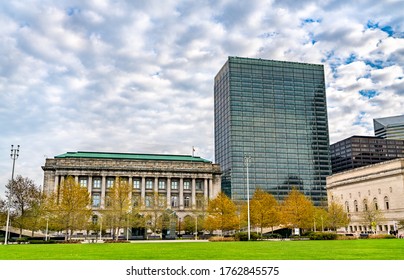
x=132 y=156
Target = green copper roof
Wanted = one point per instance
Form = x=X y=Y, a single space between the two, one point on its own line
x=131 y=156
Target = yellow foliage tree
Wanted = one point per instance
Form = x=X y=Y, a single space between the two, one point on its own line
x=221 y=214
x=263 y=210
x=71 y=206
x=297 y=211
x=337 y=217
x=118 y=206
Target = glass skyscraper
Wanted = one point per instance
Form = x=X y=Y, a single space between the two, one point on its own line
x=275 y=113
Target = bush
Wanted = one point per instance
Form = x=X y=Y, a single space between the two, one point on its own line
x=381 y=236
x=115 y=241
x=22 y=240
x=272 y=236
x=243 y=236
x=221 y=238
x=323 y=236
x=37 y=241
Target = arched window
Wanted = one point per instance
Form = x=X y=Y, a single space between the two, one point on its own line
x=375 y=203
x=365 y=205
x=356 y=206
x=386 y=203
x=347 y=206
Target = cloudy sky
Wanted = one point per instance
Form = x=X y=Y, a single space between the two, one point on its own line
x=137 y=76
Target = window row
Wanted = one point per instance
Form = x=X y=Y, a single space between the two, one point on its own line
x=149 y=183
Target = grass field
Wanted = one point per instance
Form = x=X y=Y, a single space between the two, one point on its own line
x=379 y=249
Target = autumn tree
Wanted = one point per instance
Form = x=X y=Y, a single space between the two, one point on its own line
x=297 y=211
x=320 y=218
x=371 y=215
x=156 y=205
x=25 y=198
x=221 y=214
x=118 y=206
x=337 y=217
x=72 y=206
x=263 y=210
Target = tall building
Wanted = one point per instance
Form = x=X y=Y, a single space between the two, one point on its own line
x=389 y=127
x=357 y=151
x=274 y=113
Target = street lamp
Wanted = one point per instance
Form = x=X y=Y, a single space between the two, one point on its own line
x=247 y=160
x=14 y=155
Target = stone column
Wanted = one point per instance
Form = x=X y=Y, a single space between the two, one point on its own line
x=181 y=198
x=143 y=191
x=205 y=189
x=56 y=183
x=210 y=188
x=103 y=188
x=193 y=193
x=156 y=182
x=76 y=179
x=130 y=183
x=169 y=192
x=90 y=184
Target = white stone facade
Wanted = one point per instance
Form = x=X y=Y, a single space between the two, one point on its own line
x=182 y=182
x=379 y=185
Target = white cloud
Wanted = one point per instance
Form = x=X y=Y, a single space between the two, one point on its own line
x=137 y=76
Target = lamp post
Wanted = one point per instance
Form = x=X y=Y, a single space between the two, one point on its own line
x=14 y=155
x=247 y=160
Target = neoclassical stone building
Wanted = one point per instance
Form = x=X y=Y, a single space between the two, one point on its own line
x=379 y=186
x=183 y=183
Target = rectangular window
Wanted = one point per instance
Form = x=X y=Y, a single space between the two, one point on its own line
x=149 y=184
x=83 y=182
x=199 y=185
x=187 y=202
x=187 y=185
x=174 y=185
x=110 y=182
x=136 y=184
x=199 y=202
x=148 y=201
x=174 y=201
x=97 y=183
x=162 y=185
x=96 y=200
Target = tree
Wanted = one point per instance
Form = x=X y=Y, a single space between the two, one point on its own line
x=371 y=215
x=337 y=217
x=222 y=214
x=118 y=206
x=156 y=205
x=3 y=212
x=320 y=218
x=297 y=210
x=263 y=210
x=25 y=197
x=72 y=206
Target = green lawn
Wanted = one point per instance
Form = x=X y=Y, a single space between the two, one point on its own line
x=371 y=249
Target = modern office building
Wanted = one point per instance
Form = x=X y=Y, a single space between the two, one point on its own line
x=370 y=192
x=389 y=127
x=183 y=183
x=357 y=151
x=275 y=114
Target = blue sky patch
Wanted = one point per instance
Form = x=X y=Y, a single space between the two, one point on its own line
x=375 y=25
x=368 y=93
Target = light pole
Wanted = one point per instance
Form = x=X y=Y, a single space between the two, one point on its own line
x=247 y=160
x=14 y=155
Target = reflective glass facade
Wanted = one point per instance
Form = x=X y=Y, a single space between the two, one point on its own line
x=276 y=113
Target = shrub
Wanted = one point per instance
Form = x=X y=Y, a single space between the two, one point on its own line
x=381 y=236
x=323 y=236
x=22 y=240
x=243 y=236
x=115 y=241
x=37 y=241
x=221 y=238
x=272 y=236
